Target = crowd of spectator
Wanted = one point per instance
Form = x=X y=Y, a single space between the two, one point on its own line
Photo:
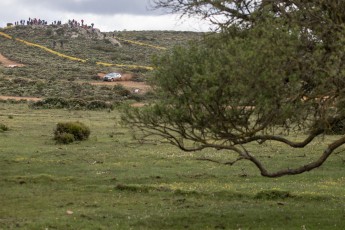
x=36 y=21
x=74 y=23
x=31 y=21
x=71 y=23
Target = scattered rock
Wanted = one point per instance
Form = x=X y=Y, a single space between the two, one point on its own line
x=69 y=212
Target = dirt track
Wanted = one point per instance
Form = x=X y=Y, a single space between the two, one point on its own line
x=131 y=85
x=8 y=63
x=125 y=81
x=20 y=98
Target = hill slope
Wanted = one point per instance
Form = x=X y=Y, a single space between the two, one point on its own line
x=47 y=75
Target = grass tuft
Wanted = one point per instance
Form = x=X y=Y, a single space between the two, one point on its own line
x=273 y=194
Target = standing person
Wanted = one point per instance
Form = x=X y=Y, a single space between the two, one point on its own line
x=92 y=25
x=61 y=44
x=82 y=22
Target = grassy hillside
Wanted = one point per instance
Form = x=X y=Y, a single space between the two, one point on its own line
x=48 y=75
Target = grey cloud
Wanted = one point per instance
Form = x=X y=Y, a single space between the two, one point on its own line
x=106 y=7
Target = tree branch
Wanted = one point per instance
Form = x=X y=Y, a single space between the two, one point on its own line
x=315 y=164
x=219 y=162
x=263 y=138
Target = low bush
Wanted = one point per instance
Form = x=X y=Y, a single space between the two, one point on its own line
x=74 y=103
x=3 y=127
x=64 y=138
x=51 y=103
x=337 y=129
x=96 y=105
x=273 y=194
x=68 y=132
x=121 y=90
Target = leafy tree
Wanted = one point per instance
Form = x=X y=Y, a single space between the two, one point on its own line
x=274 y=68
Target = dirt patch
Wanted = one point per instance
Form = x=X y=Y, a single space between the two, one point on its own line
x=138 y=104
x=8 y=63
x=20 y=98
x=133 y=86
x=126 y=77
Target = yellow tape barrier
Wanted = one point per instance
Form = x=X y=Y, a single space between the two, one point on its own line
x=141 y=44
x=73 y=58
x=51 y=51
x=5 y=35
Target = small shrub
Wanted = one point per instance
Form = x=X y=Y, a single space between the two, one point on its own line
x=121 y=90
x=96 y=105
x=49 y=32
x=137 y=97
x=60 y=31
x=337 y=129
x=3 y=127
x=56 y=103
x=78 y=130
x=92 y=61
x=273 y=194
x=76 y=104
x=64 y=138
x=132 y=188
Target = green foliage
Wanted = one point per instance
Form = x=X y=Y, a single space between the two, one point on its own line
x=273 y=194
x=49 y=32
x=97 y=105
x=60 y=31
x=74 y=103
x=212 y=81
x=103 y=48
x=338 y=128
x=69 y=131
x=259 y=79
x=3 y=127
x=131 y=188
x=120 y=90
x=50 y=103
x=64 y=138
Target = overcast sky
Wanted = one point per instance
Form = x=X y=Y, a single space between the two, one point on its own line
x=107 y=15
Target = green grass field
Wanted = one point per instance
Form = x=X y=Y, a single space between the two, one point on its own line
x=112 y=182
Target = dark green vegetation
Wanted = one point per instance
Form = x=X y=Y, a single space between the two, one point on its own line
x=3 y=127
x=276 y=68
x=50 y=76
x=112 y=182
x=67 y=132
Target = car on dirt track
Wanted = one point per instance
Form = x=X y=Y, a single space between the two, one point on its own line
x=112 y=77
